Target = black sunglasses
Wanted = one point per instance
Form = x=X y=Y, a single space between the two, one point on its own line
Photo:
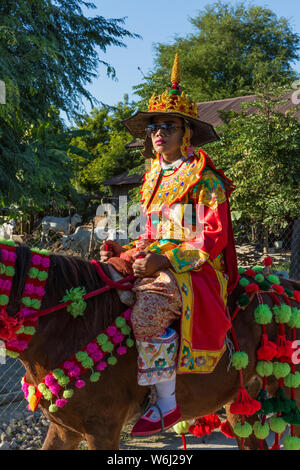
x=167 y=128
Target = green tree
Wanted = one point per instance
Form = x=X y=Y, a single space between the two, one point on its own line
x=49 y=52
x=259 y=149
x=106 y=143
x=229 y=48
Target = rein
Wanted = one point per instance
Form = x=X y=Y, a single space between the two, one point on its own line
x=110 y=284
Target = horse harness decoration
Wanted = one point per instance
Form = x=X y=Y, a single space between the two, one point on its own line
x=17 y=331
x=273 y=358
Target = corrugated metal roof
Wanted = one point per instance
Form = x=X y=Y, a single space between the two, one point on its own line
x=124 y=178
x=208 y=110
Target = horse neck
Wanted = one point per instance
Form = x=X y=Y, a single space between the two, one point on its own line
x=59 y=335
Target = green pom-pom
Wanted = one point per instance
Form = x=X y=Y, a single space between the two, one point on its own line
x=291 y=443
x=3 y=241
x=292 y=380
x=29 y=330
x=129 y=342
x=21 y=330
x=40 y=251
x=281 y=369
x=68 y=393
x=81 y=356
x=36 y=304
x=126 y=330
x=112 y=360
x=42 y=388
x=42 y=275
x=259 y=278
x=31 y=391
x=282 y=313
x=263 y=314
x=120 y=321
x=48 y=395
x=88 y=363
x=265 y=285
x=107 y=347
x=260 y=430
x=53 y=408
x=240 y=360
x=244 y=282
x=182 y=427
x=277 y=424
x=241 y=270
x=26 y=301
x=12 y=354
x=243 y=300
x=258 y=269
x=273 y=279
x=4 y=299
x=289 y=292
x=242 y=430
x=58 y=373
x=10 y=271
x=33 y=272
x=264 y=368
x=102 y=339
x=293 y=416
x=95 y=377
x=294 y=321
x=63 y=381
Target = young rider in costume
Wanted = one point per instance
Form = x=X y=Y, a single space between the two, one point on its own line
x=185 y=261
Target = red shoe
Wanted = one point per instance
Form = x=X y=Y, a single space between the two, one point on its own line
x=147 y=426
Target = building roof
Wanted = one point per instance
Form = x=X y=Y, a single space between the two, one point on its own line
x=122 y=179
x=208 y=110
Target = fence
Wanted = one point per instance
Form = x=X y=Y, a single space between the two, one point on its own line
x=253 y=243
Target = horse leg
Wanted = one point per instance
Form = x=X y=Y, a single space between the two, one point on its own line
x=100 y=437
x=61 y=438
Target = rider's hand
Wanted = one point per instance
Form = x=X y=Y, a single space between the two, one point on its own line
x=149 y=264
x=115 y=250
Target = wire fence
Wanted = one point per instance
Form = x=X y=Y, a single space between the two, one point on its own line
x=253 y=243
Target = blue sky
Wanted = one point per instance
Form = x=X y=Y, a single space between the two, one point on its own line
x=156 y=21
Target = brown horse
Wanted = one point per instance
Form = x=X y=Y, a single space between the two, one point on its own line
x=98 y=411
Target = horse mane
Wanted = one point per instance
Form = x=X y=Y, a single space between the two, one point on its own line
x=64 y=273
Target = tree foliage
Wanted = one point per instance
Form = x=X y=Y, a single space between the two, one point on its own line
x=259 y=149
x=231 y=45
x=106 y=143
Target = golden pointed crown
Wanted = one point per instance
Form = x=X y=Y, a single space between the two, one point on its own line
x=173 y=100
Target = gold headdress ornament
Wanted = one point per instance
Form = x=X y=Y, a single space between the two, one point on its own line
x=173 y=100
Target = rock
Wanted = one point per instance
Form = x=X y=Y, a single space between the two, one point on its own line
x=4 y=446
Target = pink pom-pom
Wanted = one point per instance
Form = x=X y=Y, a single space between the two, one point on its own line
x=61 y=402
x=101 y=366
x=79 y=383
x=36 y=260
x=55 y=389
x=50 y=380
x=121 y=350
x=75 y=372
x=68 y=365
x=40 y=291
x=12 y=257
x=45 y=262
x=91 y=348
x=4 y=254
x=29 y=289
x=6 y=284
x=127 y=314
x=118 y=338
x=111 y=330
x=97 y=356
x=25 y=312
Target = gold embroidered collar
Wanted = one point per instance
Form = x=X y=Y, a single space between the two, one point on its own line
x=159 y=190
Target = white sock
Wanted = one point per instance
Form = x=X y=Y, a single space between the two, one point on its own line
x=166 y=398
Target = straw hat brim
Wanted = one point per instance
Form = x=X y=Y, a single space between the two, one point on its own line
x=203 y=132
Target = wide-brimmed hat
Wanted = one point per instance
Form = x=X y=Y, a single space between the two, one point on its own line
x=173 y=102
